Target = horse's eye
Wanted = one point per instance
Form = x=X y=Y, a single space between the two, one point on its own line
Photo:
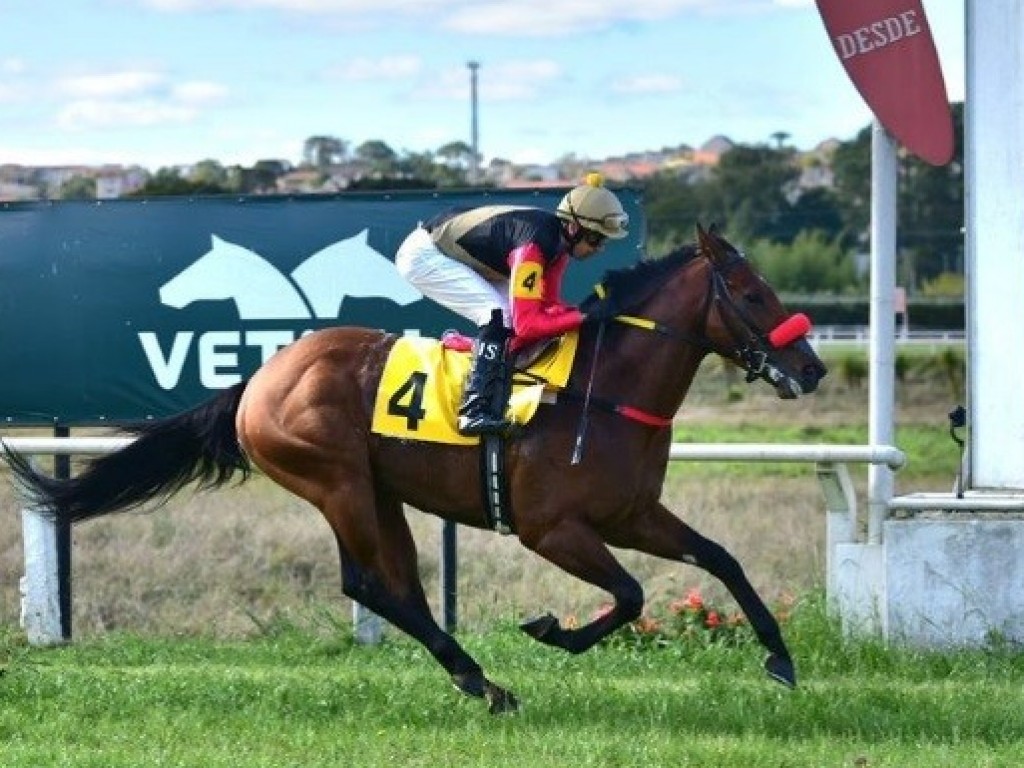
x=754 y=298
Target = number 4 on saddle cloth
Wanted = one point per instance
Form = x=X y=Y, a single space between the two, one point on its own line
x=421 y=387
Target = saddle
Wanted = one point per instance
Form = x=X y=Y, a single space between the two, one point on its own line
x=421 y=387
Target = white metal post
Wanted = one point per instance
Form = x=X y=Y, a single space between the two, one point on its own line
x=881 y=392
x=40 y=593
x=994 y=182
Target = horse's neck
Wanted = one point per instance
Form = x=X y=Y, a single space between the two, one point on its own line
x=645 y=370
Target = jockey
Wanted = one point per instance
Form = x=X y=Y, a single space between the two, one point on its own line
x=507 y=259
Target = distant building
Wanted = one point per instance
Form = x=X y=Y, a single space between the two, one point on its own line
x=711 y=151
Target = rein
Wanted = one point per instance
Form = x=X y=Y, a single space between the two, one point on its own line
x=751 y=350
x=752 y=346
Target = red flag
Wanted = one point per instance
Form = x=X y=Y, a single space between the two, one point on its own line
x=887 y=49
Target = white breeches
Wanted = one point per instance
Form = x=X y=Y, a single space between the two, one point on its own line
x=450 y=283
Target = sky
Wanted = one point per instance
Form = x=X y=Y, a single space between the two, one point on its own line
x=172 y=82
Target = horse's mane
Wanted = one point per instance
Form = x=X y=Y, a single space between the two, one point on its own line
x=630 y=286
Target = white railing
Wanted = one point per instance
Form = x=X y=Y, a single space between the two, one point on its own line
x=861 y=335
x=40 y=586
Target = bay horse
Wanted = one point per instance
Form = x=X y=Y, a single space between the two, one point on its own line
x=304 y=419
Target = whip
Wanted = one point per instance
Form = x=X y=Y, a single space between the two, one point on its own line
x=581 y=431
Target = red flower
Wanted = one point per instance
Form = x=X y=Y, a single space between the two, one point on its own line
x=645 y=625
x=693 y=601
x=713 y=620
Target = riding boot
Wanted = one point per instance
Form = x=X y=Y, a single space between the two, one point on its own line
x=486 y=396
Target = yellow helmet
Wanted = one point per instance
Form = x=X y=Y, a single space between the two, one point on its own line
x=593 y=207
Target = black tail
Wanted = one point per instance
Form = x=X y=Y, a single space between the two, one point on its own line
x=167 y=454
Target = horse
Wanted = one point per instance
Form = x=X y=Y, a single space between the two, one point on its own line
x=304 y=420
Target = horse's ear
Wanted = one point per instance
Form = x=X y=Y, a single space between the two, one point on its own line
x=708 y=243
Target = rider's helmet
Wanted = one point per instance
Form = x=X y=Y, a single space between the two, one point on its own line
x=594 y=207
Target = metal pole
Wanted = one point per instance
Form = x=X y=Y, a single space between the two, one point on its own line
x=474 y=161
x=62 y=471
x=881 y=390
x=449 y=576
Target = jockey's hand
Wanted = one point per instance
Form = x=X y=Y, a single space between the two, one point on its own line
x=553 y=310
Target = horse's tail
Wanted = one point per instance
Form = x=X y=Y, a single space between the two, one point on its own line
x=166 y=455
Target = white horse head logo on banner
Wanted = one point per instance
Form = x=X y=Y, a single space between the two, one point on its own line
x=315 y=289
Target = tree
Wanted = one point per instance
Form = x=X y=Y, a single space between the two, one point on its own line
x=169 y=181
x=456 y=154
x=378 y=155
x=209 y=173
x=78 y=187
x=930 y=202
x=811 y=264
x=672 y=206
x=261 y=177
x=851 y=169
x=748 y=188
x=324 y=151
x=931 y=211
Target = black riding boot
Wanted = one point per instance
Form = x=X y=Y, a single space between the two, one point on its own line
x=486 y=396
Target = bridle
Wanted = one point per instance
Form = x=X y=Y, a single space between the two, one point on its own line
x=751 y=347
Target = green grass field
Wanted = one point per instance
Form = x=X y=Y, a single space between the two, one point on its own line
x=305 y=698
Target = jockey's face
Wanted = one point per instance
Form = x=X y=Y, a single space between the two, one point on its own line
x=588 y=243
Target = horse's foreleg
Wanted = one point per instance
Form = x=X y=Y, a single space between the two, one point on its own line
x=663 y=534
x=577 y=549
x=378 y=570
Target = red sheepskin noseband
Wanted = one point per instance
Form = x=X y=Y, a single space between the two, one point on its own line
x=789 y=330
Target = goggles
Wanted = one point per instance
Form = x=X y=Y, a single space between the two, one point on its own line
x=613 y=222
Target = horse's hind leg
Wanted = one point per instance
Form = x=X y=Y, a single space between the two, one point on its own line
x=658 y=532
x=379 y=570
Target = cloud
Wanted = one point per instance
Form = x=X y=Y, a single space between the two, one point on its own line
x=12 y=85
x=11 y=66
x=308 y=7
x=198 y=93
x=506 y=18
x=542 y=18
x=86 y=114
x=510 y=80
x=133 y=98
x=383 y=68
x=644 y=84
x=110 y=85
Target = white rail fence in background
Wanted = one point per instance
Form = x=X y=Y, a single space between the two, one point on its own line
x=41 y=615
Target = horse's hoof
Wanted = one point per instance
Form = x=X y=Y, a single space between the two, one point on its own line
x=540 y=627
x=780 y=670
x=500 y=701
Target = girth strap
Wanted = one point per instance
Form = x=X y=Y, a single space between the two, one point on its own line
x=494 y=482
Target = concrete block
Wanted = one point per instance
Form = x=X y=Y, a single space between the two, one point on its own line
x=858 y=594
x=955 y=579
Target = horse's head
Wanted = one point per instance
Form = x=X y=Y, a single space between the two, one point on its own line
x=747 y=323
x=710 y=297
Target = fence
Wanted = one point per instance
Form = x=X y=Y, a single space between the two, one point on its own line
x=45 y=587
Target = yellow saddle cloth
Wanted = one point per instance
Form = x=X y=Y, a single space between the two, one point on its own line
x=421 y=388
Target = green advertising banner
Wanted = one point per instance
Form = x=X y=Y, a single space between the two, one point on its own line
x=116 y=311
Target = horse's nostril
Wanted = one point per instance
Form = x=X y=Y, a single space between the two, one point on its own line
x=810 y=377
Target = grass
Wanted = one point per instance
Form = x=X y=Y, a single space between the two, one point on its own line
x=300 y=697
